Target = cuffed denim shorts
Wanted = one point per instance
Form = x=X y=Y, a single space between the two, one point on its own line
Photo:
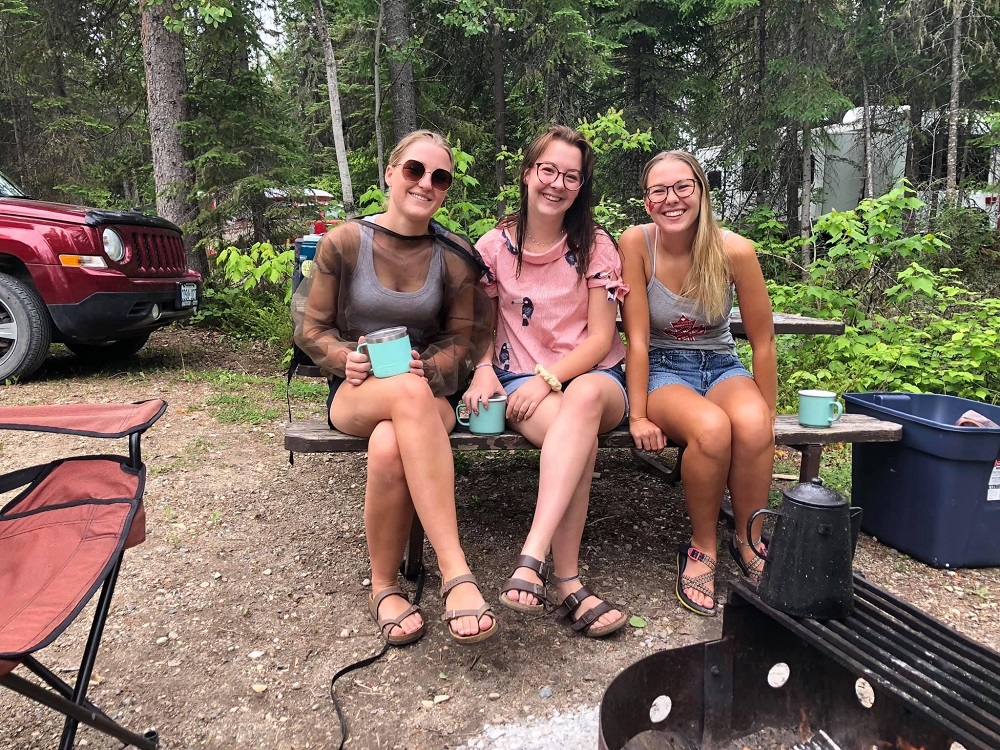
x=697 y=369
x=511 y=381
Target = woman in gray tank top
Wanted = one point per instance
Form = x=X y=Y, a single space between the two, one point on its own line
x=400 y=269
x=684 y=380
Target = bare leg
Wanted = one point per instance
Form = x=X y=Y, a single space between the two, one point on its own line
x=421 y=425
x=753 y=452
x=566 y=547
x=703 y=429
x=388 y=513
x=566 y=427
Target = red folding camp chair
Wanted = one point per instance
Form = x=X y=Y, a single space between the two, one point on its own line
x=61 y=539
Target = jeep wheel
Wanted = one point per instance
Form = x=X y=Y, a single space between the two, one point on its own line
x=25 y=329
x=120 y=349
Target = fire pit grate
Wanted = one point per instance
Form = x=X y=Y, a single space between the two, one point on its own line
x=888 y=677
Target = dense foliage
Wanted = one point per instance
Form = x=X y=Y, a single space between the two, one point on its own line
x=762 y=87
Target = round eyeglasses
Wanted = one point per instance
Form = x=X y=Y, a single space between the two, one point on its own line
x=659 y=193
x=547 y=173
x=414 y=170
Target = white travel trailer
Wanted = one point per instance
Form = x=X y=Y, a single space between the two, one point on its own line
x=839 y=170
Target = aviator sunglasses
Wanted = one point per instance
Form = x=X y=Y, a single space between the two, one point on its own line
x=414 y=170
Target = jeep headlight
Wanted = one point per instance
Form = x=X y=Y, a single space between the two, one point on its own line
x=113 y=245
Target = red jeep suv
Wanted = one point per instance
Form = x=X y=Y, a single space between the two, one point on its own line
x=99 y=282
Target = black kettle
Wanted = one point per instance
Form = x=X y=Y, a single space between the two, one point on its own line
x=808 y=567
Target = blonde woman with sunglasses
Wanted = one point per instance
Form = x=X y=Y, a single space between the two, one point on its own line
x=685 y=382
x=399 y=268
x=555 y=278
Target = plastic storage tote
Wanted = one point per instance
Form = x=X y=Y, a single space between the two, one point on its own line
x=935 y=494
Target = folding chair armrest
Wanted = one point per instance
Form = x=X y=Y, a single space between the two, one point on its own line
x=89 y=420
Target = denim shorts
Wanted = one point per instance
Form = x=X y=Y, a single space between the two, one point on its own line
x=511 y=381
x=697 y=369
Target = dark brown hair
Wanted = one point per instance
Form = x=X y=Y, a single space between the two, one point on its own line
x=579 y=219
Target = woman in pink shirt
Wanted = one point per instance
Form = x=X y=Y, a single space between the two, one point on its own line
x=555 y=277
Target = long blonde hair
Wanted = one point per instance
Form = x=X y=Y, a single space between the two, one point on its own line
x=409 y=139
x=708 y=281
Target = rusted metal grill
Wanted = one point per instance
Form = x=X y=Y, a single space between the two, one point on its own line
x=886 y=677
x=155 y=252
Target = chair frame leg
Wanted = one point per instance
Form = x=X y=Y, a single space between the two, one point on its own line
x=71 y=701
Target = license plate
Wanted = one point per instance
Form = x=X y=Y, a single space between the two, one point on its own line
x=188 y=294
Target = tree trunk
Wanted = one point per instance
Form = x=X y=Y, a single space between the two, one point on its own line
x=914 y=143
x=378 y=97
x=805 y=209
x=336 y=118
x=404 y=96
x=166 y=83
x=764 y=154
x=791 y=166
x=499 y=103
x=951 y=185
x=14 y=99
x=869 y=190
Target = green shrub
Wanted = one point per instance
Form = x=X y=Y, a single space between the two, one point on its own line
x=911 y=325
x=248 y=295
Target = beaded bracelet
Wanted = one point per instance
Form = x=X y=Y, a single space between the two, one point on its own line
x=483 y=364
x=549 y=378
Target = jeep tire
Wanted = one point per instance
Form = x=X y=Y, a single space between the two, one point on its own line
x=109 y=350
x=25 y=329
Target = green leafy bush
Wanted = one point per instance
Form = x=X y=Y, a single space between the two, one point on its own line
x=910 y=325
x=248 y=294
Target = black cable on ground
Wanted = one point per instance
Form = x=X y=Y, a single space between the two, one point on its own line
x=364 y=663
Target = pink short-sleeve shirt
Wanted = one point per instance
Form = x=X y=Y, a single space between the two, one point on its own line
x=543 y=312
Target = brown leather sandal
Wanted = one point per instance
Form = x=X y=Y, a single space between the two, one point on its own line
x=454 y=614
x=586 y=622
x=519 y=584
x=698 y=583
x=386 y=624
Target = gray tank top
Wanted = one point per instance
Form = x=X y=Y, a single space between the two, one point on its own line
x=676 y=322
x=372 y=306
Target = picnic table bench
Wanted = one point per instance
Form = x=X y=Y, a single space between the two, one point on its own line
x=315 y=435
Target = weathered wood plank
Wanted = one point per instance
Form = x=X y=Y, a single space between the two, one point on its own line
x=314 y=436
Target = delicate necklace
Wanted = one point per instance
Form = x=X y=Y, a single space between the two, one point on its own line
x=402 y=258
x=548 y=243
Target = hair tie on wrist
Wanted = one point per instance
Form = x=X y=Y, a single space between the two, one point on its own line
x=483 y=364
x=549 y=378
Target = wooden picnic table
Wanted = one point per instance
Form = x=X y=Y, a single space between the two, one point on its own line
x=789 y=323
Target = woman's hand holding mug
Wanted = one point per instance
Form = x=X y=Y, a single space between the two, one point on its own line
x=358 y=367
x=416 y=364
x=484 y=384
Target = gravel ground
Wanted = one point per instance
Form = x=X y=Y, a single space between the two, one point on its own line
x=248 y=595
x=573 y=728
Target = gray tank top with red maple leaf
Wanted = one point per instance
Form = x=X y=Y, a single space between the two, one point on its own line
x=677 y=322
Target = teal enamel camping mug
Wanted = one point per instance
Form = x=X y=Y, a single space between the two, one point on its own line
x=819 y=408
x=389 y=351
x=490 y=419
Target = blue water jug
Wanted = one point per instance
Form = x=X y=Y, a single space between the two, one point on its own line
x=307 y=246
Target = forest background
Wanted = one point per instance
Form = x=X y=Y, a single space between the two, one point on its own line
x=202 y=109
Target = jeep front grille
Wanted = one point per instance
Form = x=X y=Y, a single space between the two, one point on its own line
x=155 y=252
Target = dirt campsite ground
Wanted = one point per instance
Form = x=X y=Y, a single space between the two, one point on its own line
x=249 y=593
